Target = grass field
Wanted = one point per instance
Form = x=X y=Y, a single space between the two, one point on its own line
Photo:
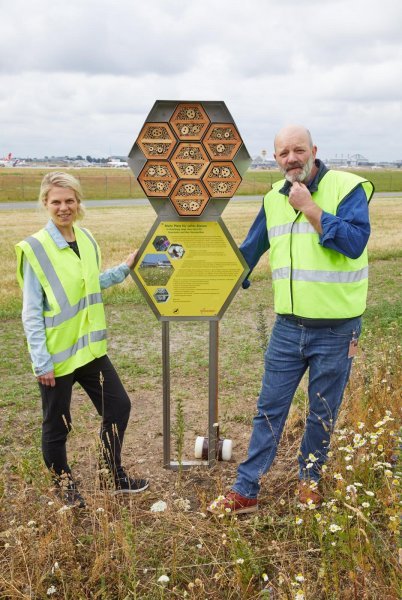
x=118 y=549
x=21 y=184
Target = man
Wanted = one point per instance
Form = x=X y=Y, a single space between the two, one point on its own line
x=316 y=224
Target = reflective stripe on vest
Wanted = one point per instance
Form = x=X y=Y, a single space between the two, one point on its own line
x=95 y=336
x=91 y=239
x=290 y=228
x=321 y=276
x=67 y=311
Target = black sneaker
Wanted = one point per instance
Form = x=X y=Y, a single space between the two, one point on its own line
x=69 y=494
x=127 y=485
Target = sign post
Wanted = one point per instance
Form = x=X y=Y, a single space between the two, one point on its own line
x=189 y=159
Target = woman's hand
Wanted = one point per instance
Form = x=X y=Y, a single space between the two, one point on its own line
x=131 y=258
x=47 y=379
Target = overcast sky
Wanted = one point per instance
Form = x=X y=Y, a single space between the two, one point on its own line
x=80 y=76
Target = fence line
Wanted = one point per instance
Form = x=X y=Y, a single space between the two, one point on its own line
x=19 y=187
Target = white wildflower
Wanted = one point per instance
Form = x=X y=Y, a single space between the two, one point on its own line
x=182 y=504
x=163 y=580
x=298 y=521
x=338 y=477
x=55 y=568
x=159 y=506
x=240 y=561
x=299 y=578
x=31 y=523
x=299 y=595
x=369 y=493
x=366 y=504
x=334 y=527
x=51 y=590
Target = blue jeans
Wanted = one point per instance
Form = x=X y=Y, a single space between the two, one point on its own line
x=292 y=350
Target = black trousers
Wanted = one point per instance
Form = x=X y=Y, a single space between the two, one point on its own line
x=102 y=384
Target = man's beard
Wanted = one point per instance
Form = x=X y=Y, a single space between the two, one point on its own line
x=304 y=173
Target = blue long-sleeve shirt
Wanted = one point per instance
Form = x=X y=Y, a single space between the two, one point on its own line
x=346 y=232
x=34 y=303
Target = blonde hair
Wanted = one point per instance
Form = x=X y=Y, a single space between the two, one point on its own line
x=63 y=180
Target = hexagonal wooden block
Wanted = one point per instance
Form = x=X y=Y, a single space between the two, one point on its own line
x=222 y=141
x=189 y=198
x=190 y=160
x=189 y=121
x=221 y=179
x=156 y=140
x=157 y=178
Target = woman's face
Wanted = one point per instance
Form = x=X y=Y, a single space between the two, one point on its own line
x=62 y=206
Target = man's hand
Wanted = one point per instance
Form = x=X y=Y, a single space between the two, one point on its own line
x=131 y=258
x=300 y=198
x=47 y=379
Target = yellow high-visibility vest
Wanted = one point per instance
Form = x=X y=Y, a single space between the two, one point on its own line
x=309 y=280
x=74 y=317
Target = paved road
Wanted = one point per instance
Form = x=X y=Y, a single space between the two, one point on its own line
x=144 y=201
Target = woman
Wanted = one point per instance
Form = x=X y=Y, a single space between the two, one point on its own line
x=64 y=322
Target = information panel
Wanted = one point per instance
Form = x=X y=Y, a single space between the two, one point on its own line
x=189 y=269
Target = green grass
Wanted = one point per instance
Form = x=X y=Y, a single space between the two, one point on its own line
x=117 y=548
x=21 y=184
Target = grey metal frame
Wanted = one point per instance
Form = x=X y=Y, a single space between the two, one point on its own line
x=213 y=428
x=217 y=112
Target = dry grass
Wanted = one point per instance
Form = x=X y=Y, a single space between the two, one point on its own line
x=118 y=549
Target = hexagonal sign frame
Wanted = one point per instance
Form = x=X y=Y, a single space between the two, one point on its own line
x=161 y=138
x=179 y=287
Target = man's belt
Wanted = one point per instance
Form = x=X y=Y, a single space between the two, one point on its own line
x=315 y=323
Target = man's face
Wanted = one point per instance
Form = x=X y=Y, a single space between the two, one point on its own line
x=294 y=155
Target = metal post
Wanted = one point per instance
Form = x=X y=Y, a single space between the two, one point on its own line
x=213 y=429
x=166 y=393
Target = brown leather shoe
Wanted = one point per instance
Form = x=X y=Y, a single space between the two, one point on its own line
x=233 y=503
x=309 y=493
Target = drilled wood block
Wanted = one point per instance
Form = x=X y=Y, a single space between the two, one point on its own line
x=190 y=160
x=189 y=198
x=157 y=178
x=222 y=141
x=189 y=121
x=156 y=140
x=222 y=179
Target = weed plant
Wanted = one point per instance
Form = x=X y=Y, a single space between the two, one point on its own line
x=116 y=548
